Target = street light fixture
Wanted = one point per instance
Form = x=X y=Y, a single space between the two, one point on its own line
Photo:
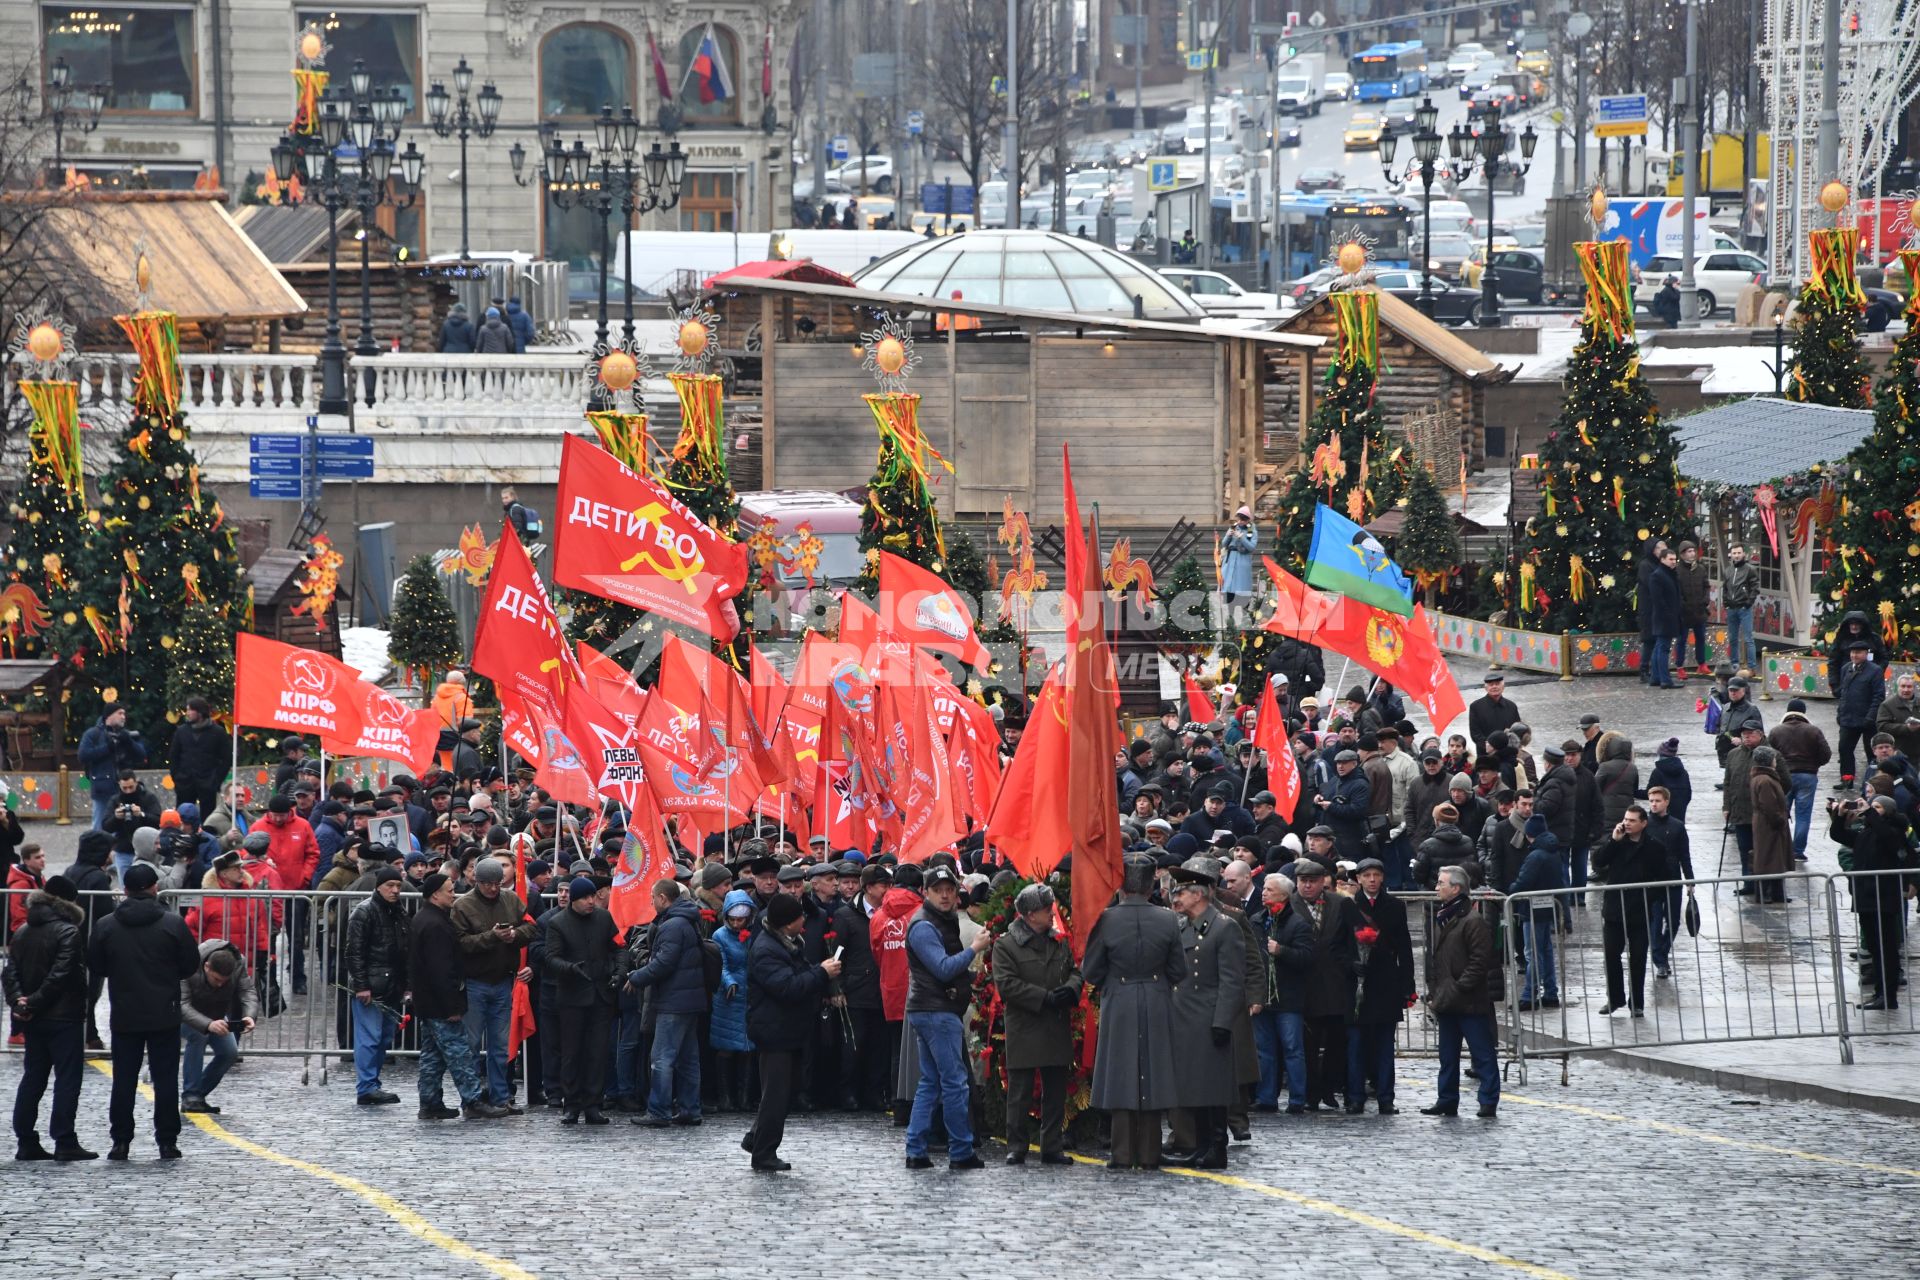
x=462 y=114
x=1489 y=151
x=58 y=104
x=1426 y=152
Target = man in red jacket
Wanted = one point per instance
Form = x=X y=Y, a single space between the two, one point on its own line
x=295 y=854
x=23 y=877
x=887 y=931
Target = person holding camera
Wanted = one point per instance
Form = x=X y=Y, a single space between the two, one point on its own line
x=107 y=748
x=1872 y=836
x=133 y=807
x=217 y=1004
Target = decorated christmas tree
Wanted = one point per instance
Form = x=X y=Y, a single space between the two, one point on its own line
x=49 y=509
x=1429 y=543
x=423 y=636
x=900 y=515
x=594 y=618
x=160 y=546
x=1611 y=472
x=202 y=659
x=1873 y=564
x=1348 y=462
x=1827 y=365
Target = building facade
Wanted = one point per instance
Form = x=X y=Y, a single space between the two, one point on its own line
x=196 y=84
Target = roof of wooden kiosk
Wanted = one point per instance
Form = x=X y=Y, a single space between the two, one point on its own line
x=805 y=270
x=1747 y=442
x=1457 y=354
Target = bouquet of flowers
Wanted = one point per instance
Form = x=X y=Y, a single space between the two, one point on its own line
x=1366 y=935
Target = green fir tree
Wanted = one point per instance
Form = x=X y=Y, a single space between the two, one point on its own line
x=1827 y=365
x=202 y=664
x=1610 y=481
x=50 y=534
x=1429 y=546
x=424 y=635
x=1347 y=417
x=1878 y=530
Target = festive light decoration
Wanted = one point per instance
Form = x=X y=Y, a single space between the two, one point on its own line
x=319 y=580
x=1834 y=196
x=693 y=338
x=1827 y=365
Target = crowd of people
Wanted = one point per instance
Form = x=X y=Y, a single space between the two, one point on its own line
x=464 y=915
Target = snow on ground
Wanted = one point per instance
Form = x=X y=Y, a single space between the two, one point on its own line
x=365 y=650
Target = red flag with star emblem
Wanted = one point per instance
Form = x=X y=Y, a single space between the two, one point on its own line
x=518 y=645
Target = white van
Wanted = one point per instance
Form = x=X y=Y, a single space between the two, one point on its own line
x=1222 y=133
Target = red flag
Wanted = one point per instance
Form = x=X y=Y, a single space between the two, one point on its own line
x=623 y=536
x=1270 y=735
x=973 y=745
x=646 y=858
x=919 y=606
x=286 y=687
x=1398 y=649
x=766 y=64
x=520 y=1022
x=660 y=81
x=806 y=708
x=1300 y=611
x=1029 y=821
x=1200 y=708
x=611 y=684
x=919 y=778
x=562 y=767
x=1438 y=690
x=518 y=645
x=1076 y=547
x=1093 y=739
x=860 y=626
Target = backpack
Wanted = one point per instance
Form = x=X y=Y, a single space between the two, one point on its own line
x=1714 y=713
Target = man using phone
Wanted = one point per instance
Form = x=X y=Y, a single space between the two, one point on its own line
x=939 y=988
x=676 y=970
x=1629 y=861
x=492 y=926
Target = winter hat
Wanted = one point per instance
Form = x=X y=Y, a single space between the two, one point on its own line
x=95 y=842
x=493 y=313
x=489 y=871
x=62 y=888
x=1536 y=827
x=909 y=876
x=783 y=910
x=432 y=882
x=581 y=887
x=257 y=842
x=1671 y=747
x=1797 y=704
x=144 y=841
x=169 y=819
x=713 y=875
x=1460 y=782
x=737 y=900
x=189 y=814
x=140 y=877
x=280 y=804
x=385 y=873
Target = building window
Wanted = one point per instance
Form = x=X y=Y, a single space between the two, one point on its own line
x=710 y=76
x=388 y=41
x=401 y=225
x=143 y=55
x=583 y=67
x=706 y=202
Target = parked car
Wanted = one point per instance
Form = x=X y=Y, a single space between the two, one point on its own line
x=1446 y=255
x=1452 y=303
x=1518 y=273
x=1319 y=179
x=879 y=173
x=1336 y=86
x=1719 y=276
x=1363 y=131
x=1220 y=294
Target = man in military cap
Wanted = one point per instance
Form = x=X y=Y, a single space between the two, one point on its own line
x=1206 y=1005
x=1134 y=959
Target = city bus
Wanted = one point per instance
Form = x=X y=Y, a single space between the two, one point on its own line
x=1316 y=225
x=1385 y=71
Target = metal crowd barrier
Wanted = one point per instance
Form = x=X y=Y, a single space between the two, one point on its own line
x=1756 y=970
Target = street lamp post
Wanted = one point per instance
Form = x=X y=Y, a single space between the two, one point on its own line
x=58 y=100
x=1426 y=152
x=467 y=117
x=319 y=167
x=1488 y=151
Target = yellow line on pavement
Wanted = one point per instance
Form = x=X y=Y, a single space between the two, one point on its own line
x=1702 y=1135
x=388 y=1204
x=1364 y=1219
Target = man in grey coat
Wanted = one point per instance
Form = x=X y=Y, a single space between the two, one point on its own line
x=1134 y=960
x=1039 y=986
x=1205 y=1007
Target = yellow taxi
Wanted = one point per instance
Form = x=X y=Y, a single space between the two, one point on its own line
x=1536 y=61
x=1363 y=131
x=1477 y=260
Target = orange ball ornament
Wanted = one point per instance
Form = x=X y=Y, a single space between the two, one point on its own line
x=618 y=370
x=693 y=339
x=1597 y=205
x=890 y=356
x=312 y=46
x=1834 y=196
x=1351 y=258
x=44 y=342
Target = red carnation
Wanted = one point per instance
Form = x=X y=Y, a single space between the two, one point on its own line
x=1366 y=935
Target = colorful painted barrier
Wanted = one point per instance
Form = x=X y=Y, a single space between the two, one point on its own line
x=1500 y=646
x=35 y=795
x=1618 y=653
x=1799 y=673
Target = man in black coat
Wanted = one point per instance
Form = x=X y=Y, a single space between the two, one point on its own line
x=90 y=880
x=144 y=951
x=1663 y=617
x=46 y=987
x=1329 y=981
x=376 y=973
x=1630 y=858
x=1491 y=712
x=546 y=1008
x=1386 y=988
x=440 y=1003
x=865 y=1070
x=1557 y=798
x=783 y=1001
x=581 y=947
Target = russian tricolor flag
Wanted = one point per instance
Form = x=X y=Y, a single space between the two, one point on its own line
x=716 y=85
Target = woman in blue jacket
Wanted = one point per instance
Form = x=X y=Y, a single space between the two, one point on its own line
x=728 y=1033
x=1237 y=548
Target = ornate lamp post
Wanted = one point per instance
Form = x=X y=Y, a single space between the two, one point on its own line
x=1426 y=152
x=60 y=108
x=1488 y=151
x=467 y=117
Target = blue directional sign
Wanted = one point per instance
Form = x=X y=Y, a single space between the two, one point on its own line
x=337 y=447
x=1623 y=115
x=282 y=446
x=275 y=488
x=346 y=468
x=840 y=147
x=916 y=122
x=936 y=196
x=275 y=465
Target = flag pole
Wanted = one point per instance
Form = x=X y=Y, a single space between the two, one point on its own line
x=233 y=774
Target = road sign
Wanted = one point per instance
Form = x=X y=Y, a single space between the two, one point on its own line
x=1163 y=173
x=277 y=446
x=1316 y=19
x=346 y=468
x=934 y=197
x=338 y=446
x=916 y=123
x=1200 y=59
x=840 y=147
x=275 y=489
x=1622 y=116
x=997 y=86
x=275 y=465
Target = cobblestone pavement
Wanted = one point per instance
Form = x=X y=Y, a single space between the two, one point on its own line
x=1620 y=1175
